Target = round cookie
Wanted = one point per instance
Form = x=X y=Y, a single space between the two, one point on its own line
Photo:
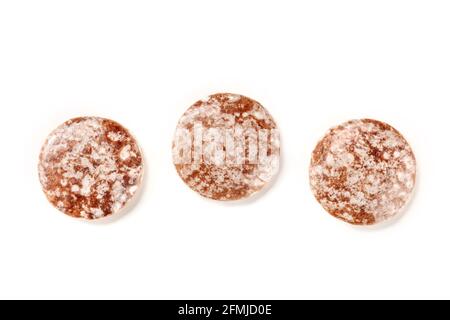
x=90 y=167
x=363 y=172
x=226 y=147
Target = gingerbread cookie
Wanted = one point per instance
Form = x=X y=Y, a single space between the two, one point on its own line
x=90 y=167
x=363 y=172
x=226 y=147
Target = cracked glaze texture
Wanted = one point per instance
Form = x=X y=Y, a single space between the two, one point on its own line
x=363 y=172
x=240 y=160
x=90 y=167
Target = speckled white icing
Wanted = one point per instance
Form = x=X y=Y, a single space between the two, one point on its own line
x=226 y=147
x=363 y=172
x=90 y=167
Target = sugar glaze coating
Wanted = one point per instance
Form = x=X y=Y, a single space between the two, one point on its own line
x=226 y=147
x=90 y=167
x=363 y=172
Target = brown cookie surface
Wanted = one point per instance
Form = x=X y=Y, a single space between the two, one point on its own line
x=90 y=167
x=363 y=172
x=226 y=147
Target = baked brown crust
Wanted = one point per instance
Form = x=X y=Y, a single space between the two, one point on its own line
x=90 y=167
x=363 y=172
x=238 y=173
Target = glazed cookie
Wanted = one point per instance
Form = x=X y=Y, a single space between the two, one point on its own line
x=363 y=172
x=226 y=147
x=90 y=167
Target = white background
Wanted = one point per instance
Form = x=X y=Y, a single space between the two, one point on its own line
x=312 y=64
